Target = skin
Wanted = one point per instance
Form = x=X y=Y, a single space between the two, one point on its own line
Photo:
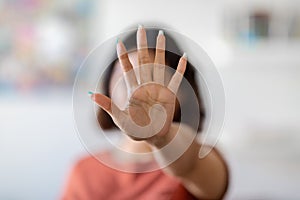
x=205 y=178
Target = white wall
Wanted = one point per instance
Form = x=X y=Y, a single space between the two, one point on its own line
x=38 y=145
x=189 y=17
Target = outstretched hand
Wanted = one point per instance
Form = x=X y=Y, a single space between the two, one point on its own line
x=151 y=104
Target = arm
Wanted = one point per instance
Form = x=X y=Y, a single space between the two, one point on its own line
x=204 y=178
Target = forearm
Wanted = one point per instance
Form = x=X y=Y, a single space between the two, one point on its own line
x=204 y=178
x=176 y=150
x=208 y=179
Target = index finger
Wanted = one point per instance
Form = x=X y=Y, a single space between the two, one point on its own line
x=129 y=75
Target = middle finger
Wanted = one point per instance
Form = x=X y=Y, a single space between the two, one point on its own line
x=143 y=56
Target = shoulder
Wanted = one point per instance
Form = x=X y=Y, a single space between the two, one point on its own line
x=89 y=170
x=89 y=164
x=86 y=162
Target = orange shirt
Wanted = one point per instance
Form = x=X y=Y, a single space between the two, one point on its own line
x=90 y=179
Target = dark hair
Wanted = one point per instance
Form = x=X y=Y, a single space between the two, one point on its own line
x=172 y=59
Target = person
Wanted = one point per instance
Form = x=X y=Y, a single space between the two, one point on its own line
x=147 y=102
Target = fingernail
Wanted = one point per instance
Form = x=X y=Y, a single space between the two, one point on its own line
x=161 y=32
x=184 y=55
x=119 y=40
x=90 y=93
x=140 y=26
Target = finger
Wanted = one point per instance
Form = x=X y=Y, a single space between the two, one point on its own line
x=105 y=103
x=177 y=77
x=159 y=62
x=129 y=75
x=143 y=55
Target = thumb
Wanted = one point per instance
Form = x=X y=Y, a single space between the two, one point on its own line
x=103 y=101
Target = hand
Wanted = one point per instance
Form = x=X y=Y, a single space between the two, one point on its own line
x=151 y=105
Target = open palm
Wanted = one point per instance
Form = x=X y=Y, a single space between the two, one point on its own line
x=151 y=104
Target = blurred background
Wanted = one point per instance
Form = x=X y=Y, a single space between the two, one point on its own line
x=254 y=44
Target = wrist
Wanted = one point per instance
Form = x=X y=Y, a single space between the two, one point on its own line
x=170 y=147
x=160 y=140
